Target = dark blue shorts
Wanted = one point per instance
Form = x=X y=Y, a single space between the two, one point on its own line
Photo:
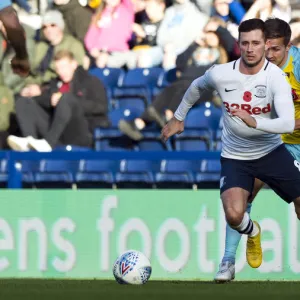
x=278 y=169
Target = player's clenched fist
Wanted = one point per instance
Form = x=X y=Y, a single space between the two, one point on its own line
x=174 y=126
x=245 y=117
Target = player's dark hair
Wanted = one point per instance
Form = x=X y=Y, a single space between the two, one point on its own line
x=252 y=24
x=276 y=28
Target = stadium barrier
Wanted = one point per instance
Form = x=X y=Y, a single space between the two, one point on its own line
x=79 y=234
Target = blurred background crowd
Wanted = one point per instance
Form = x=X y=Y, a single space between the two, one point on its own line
x=115 y=68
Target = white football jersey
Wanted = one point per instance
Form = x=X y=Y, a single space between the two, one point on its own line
x=266 y=96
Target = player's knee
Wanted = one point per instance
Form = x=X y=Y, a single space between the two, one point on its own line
x=234 y=217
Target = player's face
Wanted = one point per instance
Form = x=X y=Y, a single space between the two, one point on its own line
x=276 y=51
x=252 y=46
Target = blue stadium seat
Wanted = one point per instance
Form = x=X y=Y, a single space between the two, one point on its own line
x=139 y=82
x=28 y=169
x=141 y=77
x=176 y=174
x=209 y=175
x=111 y=139
x=111 y=77
x=96 y=173
x=3 y=173
x=122 y=143
x=154 y=143
x=128 y=113
x=136 y=174
x=125 y=101
x=183 y=143
x=55 y=174
x=142 y=92
x=167 y=77
x=203 y=118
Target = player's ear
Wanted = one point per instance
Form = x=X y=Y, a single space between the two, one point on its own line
x=288 y=46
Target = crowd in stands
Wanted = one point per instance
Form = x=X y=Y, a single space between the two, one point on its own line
x=117 y=68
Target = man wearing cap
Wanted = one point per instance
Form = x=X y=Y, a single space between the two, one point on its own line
x=54 y=40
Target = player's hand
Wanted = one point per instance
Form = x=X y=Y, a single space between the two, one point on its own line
x=20 y=67
x=174 y=126
x=245 y=117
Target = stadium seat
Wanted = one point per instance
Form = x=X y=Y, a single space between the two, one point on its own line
x=167 y=77
x=189 y=143
x=111 y=77
x=203 y=118
x=111 y=139
x=55 y=174
x=141 y=77
x=136 y=174
x=122 y=143
x=153 y=143
x=96 y=173
x=209 y=175
x=28 y=169
x=3 y=173
x=176 y=174
x=124 y=101
x=128 y=113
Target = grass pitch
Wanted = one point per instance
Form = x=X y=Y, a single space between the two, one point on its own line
x=25 y=289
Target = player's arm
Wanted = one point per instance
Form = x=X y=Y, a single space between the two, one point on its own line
x=16 y=36
x=284 y=106
x=296 y=53
x=191 y=96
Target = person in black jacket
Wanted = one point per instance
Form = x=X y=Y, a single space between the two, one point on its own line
x=66 y=111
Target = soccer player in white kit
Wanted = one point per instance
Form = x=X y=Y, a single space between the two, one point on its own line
x=257 y=108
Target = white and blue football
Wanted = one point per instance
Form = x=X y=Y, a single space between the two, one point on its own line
x=132 y=267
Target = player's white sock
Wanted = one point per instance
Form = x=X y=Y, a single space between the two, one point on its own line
x=247 y=226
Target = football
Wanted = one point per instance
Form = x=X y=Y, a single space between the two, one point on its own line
x=132 y=267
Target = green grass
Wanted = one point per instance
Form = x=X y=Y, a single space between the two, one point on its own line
x=24 y=289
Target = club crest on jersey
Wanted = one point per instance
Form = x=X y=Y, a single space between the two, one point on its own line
x=247 y=96
x=261 y=91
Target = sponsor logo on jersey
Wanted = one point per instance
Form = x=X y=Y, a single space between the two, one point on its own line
x=255 y=110
x=261 y=91
x=229 y=90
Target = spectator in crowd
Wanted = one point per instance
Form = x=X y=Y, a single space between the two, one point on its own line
x=65 y=112
x=109 y=33
x=43 y=63
x=264 y=9
x=194 y=61
x=77 y=18
x=205 y=6
x=24 y=5
x=295 y=27
x=7 y=77
x=231 y=11
x=11 y=83
x=180 y=27
x=145 y=48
